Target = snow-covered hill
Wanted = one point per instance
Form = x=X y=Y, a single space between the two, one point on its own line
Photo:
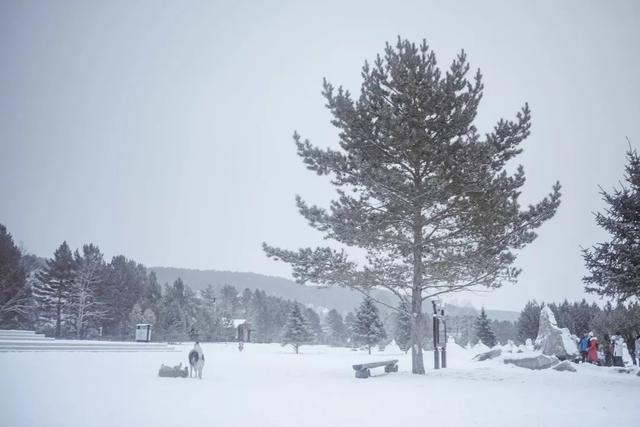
x=341 y=299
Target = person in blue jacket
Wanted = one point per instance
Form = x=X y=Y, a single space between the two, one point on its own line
x=583 y=346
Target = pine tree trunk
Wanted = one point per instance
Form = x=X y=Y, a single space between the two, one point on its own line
x=417 y=360
x=369 y=348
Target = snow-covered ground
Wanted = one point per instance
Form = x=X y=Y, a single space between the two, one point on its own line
x=268 y=385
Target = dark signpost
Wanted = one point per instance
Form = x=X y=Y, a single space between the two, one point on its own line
x=439 y=351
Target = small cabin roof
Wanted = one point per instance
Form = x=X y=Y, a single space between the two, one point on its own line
x=238 y=322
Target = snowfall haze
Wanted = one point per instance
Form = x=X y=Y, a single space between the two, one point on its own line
x=162 y=131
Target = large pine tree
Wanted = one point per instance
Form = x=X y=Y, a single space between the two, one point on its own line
x=53 y=292
x=296 y=331
x=368 y=329
x=15 y=302
x=614 y=265
x=427 y=196
x=483 y=329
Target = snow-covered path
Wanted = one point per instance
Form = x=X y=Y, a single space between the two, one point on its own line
x=267 y=385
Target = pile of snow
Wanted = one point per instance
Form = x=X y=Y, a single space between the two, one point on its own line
x=480 y=348
x=565 y=366
x=528 y=345
x=456 y=353
x=509 y=347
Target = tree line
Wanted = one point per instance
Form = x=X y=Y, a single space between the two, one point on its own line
x=77 y=294
x=581 y=318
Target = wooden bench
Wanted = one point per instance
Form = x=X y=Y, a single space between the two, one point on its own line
x=364 y=370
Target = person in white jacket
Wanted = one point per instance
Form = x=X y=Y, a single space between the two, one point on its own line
x=618 y=347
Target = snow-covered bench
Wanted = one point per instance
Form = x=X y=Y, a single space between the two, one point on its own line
x=364 y=370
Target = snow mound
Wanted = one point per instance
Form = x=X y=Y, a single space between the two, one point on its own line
x=456 y=352
x=480 y=348
x=509 y=347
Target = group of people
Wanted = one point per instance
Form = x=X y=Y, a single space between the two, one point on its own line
x=607 y=353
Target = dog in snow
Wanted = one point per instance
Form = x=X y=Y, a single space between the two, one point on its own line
x=196 y=361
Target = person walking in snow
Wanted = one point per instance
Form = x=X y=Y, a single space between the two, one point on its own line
x=618 y=348
x=583 y=346
x=606 y=350
x=592 y=353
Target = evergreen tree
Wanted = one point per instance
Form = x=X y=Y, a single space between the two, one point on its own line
x=15 y=301
x=483 y=329
x=402 y=327
x=623 y=319
x=581 y=316
x=136 y=316
x=313 y=323
x=229 y=302
x=54 y=288
x=246 y=301
x=419 y=189
x=296 y=331
x=614 y=266
x=461 y=328
x=125 y=285
x=152 y=293
x=504 y=331
x=281 y=312
x=179 y=312
x=349 y=324
x=529 y=321
x=209 y=320
x=564 y=315
x=368 y=329
x=262 y=319
x=149 y=317
x=84 y=306
x=336 y=330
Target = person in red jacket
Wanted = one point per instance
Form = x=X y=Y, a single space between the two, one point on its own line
x=592 y=354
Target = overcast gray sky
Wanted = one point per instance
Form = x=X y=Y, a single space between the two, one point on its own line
x=162 y=130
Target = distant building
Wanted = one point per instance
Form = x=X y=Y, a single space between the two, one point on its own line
x=243 y=330
x=143 y=332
